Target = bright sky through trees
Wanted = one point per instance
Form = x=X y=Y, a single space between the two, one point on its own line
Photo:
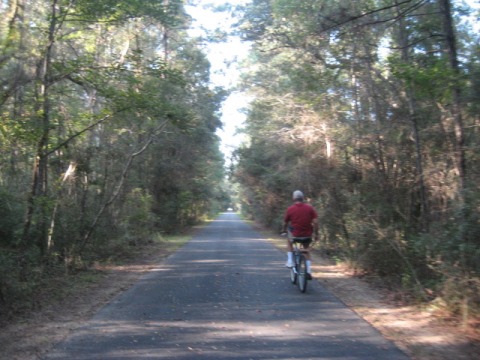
x=224 y=58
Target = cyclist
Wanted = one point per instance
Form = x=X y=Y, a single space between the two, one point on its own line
x=301 y=220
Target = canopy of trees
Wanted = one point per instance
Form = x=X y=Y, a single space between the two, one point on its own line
x=372 y=109
x=107 y=133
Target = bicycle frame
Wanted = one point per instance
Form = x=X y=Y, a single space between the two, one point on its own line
x=298 y=273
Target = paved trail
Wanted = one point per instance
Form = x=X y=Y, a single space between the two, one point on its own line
x=225 y=295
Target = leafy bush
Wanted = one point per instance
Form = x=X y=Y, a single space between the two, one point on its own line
x=10 y=218
x=20 y=276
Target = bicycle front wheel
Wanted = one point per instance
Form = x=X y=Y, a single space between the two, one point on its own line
x=302 y=274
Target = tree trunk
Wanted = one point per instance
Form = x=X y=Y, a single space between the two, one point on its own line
x=451 y=49
x=39 y=189
x=461 y=167
x=412 y=107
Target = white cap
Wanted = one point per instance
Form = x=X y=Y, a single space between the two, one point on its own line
x=297 y=194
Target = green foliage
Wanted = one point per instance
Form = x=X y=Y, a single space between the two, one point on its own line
x=138 y=218
x=358 y=105
x=98 y=99
x=120 y=11
x=185 y=171
x=20 y=277
x=432 y=82
x=10 y=218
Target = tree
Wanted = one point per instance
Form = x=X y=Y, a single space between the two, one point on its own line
x=364 y=101
x=96 y=99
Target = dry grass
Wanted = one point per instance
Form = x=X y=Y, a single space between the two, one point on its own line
x=424 y=333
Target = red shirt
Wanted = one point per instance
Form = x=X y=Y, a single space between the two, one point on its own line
x=300 y=217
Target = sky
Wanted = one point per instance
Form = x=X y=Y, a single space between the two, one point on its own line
x=224 y=59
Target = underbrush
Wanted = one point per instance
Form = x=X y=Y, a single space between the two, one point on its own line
x=27 y=285
x=451 y=293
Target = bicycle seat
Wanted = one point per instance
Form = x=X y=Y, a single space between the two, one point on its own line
x=301 y=239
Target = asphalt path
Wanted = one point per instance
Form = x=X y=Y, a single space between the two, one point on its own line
x=225 y=295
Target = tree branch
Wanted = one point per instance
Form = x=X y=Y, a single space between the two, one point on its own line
x=350 y=19
x=119 y=186
x=77 y=135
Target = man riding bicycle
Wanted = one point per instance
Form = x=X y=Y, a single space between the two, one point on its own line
x=301 y=221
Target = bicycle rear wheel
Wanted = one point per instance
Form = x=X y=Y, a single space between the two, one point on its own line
x=293 y=275
x=302 y=274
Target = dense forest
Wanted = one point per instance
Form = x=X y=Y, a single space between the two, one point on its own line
x=372 y=109
x=107 y=134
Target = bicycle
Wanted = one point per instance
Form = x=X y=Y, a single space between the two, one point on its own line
x=298 y=273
